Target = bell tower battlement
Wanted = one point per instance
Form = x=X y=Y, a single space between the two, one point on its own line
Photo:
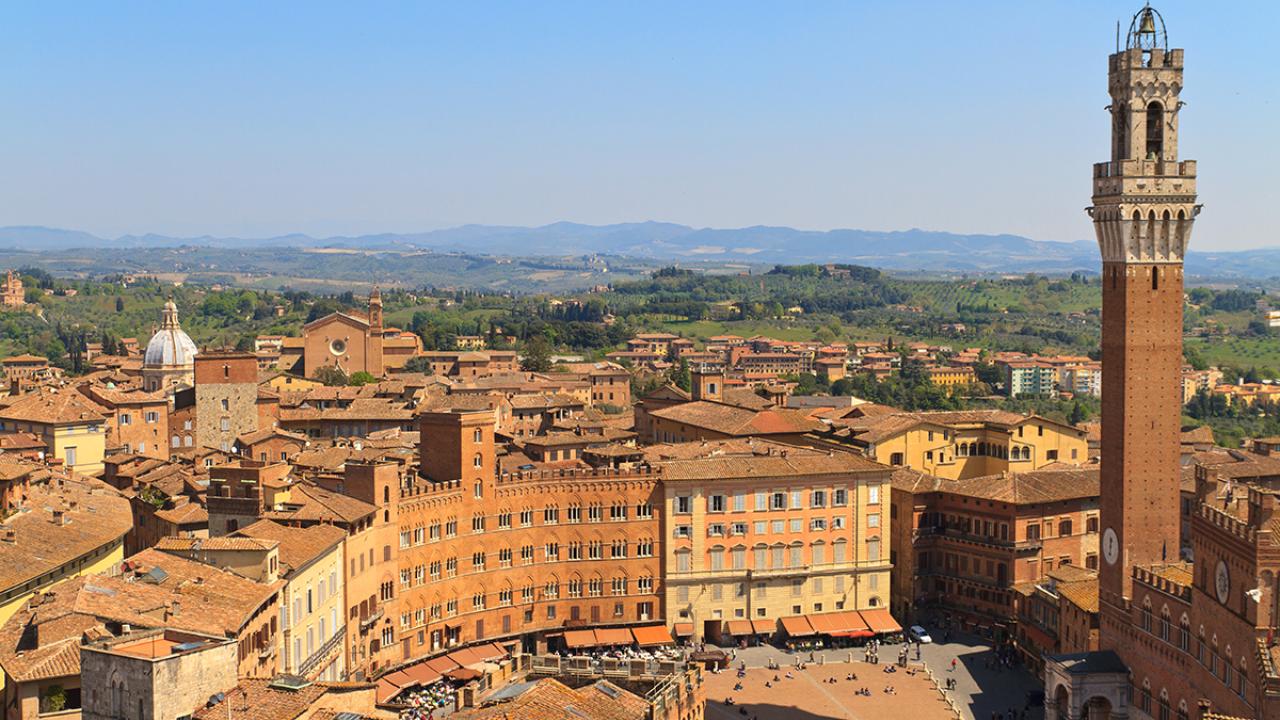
x=1144 y=198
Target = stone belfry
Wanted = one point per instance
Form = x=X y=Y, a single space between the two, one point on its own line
x=1144 y=205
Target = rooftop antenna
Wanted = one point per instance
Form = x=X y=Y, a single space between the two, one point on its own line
x=1117 y=36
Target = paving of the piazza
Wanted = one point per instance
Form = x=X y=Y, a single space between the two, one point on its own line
x=980 y=689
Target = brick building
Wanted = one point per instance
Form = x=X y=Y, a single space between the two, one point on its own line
x=529 y=553
x=963 y=545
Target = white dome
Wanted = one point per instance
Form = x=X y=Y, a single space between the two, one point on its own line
x=170 y=345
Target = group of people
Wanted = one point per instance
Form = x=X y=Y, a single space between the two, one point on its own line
x=424 y=702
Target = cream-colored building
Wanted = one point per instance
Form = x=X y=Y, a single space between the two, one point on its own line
x=961 y=444
x=756 y=530
x=313 y=607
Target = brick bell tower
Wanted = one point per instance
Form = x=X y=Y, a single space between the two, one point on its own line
x=1144 y=205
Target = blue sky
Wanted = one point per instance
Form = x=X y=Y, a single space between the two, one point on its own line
x=253 y=118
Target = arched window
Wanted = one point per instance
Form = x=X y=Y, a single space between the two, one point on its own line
x=1155 y=131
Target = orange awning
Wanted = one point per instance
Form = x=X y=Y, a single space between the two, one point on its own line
x=441 y=664
x=493 y=651
x=880 y=621
x=684 y=629
x=613 y=636
x=652 y=635
x=466 y=656
x=422 y=674
x=825 y=623
x=851 y=621
x=387 y=690
x=462 y=674
x=740 y=627
x=580 y=638
x=764 y=627
x=797 y=626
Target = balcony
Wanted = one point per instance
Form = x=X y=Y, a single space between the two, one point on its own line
x=936 y=532
x=372 y=620
x=311 y=664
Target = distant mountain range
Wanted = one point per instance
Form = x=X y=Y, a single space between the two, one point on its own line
x=906 y=250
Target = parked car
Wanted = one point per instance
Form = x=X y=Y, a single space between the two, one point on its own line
x=920 y=635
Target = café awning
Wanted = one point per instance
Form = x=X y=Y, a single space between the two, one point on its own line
x=441 y=664
x=684 y=629
x=764 y=627
x=880 y=621
x=613 y=636
x=797 y=626
x=463 y=674
x=825 y=623
x=420 y=673
x=740 y=627
x=652 y=636
x=851 y=621
x=580 y=638
x=467 y=656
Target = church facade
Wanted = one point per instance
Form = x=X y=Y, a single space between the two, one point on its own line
x=356 y=342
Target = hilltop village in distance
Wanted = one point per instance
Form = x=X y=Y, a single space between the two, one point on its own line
x=785 y=492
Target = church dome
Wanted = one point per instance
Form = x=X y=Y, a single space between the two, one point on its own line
x=170 y=346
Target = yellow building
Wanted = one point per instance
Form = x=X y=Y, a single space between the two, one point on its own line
x=72 y=426
x=313 y=631
x=72 y=526
x=961 y=444
x=283 y=381
x=756 y=531
x=952 y=377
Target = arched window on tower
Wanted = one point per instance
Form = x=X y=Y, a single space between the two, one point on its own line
x=1155 y=131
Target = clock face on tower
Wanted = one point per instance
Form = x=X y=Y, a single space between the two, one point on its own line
x=1222 y=582
x=1110 y=546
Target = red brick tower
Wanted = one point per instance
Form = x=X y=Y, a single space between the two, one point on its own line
x=1144 y=203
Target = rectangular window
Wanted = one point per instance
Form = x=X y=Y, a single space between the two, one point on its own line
x=762 y=501
x=716 y=504
x=715 y=530
x=840 y=497
x=818 y=499
x=873 y=520
x=779 y=501
x=739 y=502
x=684 y=504
x=873 y=494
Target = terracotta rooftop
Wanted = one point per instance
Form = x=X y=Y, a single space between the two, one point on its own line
x=550 y=699
x=55 y=407
x=94 y=515
x=42 y=639
x=1039 y=486
x=736 y=459
x=316 y=504
x=734 y=420
x=264 y=699
x=299 y=546
x=214 y=544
